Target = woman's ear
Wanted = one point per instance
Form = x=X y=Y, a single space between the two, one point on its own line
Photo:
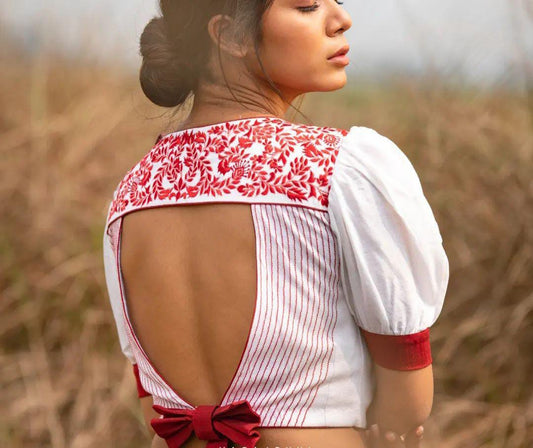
x=222 y=29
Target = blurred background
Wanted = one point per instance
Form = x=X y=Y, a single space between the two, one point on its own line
x=450 y=82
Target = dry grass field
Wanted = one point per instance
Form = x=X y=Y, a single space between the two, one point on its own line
x=69 y=131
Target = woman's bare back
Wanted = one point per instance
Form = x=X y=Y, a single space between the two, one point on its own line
x=190 y=282
x=190 y=279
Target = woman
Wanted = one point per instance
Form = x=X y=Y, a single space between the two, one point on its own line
x=289 y=303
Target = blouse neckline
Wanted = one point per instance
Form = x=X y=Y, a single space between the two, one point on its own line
x=221 y=123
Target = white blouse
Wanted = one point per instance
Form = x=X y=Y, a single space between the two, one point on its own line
x=351 y=267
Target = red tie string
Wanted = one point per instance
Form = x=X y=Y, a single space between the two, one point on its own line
x=236 y=421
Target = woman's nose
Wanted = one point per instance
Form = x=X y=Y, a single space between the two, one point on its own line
x=340 y=20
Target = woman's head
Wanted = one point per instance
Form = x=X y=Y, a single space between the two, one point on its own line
x=279 y=46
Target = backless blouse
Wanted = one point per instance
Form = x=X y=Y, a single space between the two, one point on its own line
x=350 y=262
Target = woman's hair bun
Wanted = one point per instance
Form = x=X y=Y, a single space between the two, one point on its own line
x=166 y=79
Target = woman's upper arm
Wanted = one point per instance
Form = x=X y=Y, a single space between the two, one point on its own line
x=394 y=270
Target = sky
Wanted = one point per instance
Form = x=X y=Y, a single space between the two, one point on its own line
x=487 y=42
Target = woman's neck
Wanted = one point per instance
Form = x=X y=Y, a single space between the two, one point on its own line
x=216 y=103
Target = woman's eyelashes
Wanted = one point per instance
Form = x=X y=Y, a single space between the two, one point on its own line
x=314 y=6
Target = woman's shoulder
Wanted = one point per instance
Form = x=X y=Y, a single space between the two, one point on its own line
x=361 y=139
x=373 y=171
x=380 y=160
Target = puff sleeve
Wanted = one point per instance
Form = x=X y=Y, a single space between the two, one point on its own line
x=394 y=270
x=110 y=255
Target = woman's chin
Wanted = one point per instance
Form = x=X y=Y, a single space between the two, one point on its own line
x=334 y=82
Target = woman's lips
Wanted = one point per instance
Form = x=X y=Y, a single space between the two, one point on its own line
x=341 y=59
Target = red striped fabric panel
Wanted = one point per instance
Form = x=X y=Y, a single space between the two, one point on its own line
x=406 y=352
x=290 y=345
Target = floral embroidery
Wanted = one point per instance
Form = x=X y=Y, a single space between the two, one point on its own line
x=265 y=158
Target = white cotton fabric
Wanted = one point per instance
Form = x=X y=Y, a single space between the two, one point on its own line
x=394 y=270
x=113 y=283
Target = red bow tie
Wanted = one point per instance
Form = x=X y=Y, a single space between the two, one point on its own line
x=216 y=424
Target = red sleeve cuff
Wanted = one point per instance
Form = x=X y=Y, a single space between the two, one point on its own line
x=140 y=389
x=406 y=352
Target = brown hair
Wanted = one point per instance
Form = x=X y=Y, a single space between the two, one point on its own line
x=175 y=46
